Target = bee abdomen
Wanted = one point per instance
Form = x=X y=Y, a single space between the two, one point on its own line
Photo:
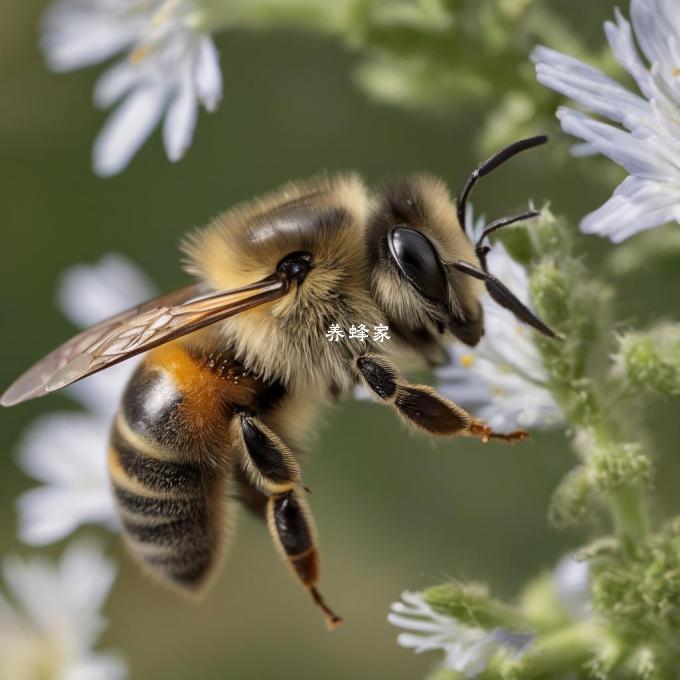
x=168 y=509
x=152 y=472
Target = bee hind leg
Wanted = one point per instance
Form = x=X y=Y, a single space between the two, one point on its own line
x=269 y=485
x=421 y=406
x=292 y=529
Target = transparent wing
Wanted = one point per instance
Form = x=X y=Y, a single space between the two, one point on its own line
x=137 y=330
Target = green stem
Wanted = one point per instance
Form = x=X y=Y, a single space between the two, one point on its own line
x=625 y=503
x=629 y=515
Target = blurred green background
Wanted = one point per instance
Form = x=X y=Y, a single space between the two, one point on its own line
x=393 y=511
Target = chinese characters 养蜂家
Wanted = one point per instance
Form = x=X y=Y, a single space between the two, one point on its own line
x=361 y=333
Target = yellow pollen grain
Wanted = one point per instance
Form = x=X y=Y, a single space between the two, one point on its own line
x=163 y=13
x=676 y=71
x=137 y=55
x=467 y=360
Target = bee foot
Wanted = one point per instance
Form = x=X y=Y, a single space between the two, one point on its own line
x=486 y=433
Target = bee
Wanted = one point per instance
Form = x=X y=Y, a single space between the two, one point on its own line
x=238 y=365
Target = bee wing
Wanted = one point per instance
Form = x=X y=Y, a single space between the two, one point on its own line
x=137 y=330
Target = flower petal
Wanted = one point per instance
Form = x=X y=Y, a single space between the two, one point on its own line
x=114 y=83
x=128 y=128
x=76 y=34
x=89 y=293
x=207 y=74
x=588 y=87
x=638 y=156
x=636 y=205
x=180 y=121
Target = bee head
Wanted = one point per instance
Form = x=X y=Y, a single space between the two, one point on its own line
x=412 y=233
x=426 y=273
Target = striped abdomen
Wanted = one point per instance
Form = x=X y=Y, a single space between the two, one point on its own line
x=169 y=461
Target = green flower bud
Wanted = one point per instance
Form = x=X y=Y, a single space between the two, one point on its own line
x=618 y=464
x=540 y=605
x=639 y=591
x=550 y=236
x=569 y=504
x=442 y=673
x=470 y=604
x=651 y=360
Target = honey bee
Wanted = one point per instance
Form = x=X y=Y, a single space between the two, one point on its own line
x=238 y=365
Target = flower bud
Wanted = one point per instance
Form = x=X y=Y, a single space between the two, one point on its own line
x=651 y=360
x=470 y=604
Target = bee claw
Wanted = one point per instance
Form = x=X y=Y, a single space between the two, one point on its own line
x=514 y=436
x=486 y=433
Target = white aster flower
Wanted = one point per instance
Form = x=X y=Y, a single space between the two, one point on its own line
x=467 y=649
x=51 y=622
x=645 y=136
x=169 y=66
x=571 y=581
x=67 y=451
x=503 y=379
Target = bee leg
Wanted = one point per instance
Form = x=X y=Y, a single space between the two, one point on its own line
x=268 y=482
x=421 y=406
x=265 y=458
x=292 y=529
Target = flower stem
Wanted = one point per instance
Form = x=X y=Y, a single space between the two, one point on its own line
x=628 y=512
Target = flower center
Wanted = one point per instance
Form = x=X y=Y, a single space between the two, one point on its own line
x=467 y=360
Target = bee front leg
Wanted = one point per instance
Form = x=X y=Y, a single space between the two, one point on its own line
x=421 y=406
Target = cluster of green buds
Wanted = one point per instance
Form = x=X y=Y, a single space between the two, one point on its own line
x=612 y=609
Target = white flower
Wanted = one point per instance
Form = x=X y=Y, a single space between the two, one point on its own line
x=53 y=621
x=503 y=379
x=571 y=581
x=467 y=649
x=67 y=451
x=170 y=65
x=645 y=137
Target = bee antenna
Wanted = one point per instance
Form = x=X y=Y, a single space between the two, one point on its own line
x=505 y=297
x=490 y=164
x=481 y=249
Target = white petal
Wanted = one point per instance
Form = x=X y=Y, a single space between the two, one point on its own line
x=411 y=623
x=207 y=74
x=635 y=206
x=63 y=448
x=588 y=86
x=68 y=451
x=97 y=667
x=75 y=35
x=620 y=37
x=114 y=83
x=48 y=514
x=571 y=581
x=66 y=600
x=655 y=24
x=89 y=293
x=180 y=121
x=128 y=128
x=87 y=576
x=58 y=618
x=636 y=155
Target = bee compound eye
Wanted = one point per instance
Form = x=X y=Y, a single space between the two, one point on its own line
x=416 y=258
